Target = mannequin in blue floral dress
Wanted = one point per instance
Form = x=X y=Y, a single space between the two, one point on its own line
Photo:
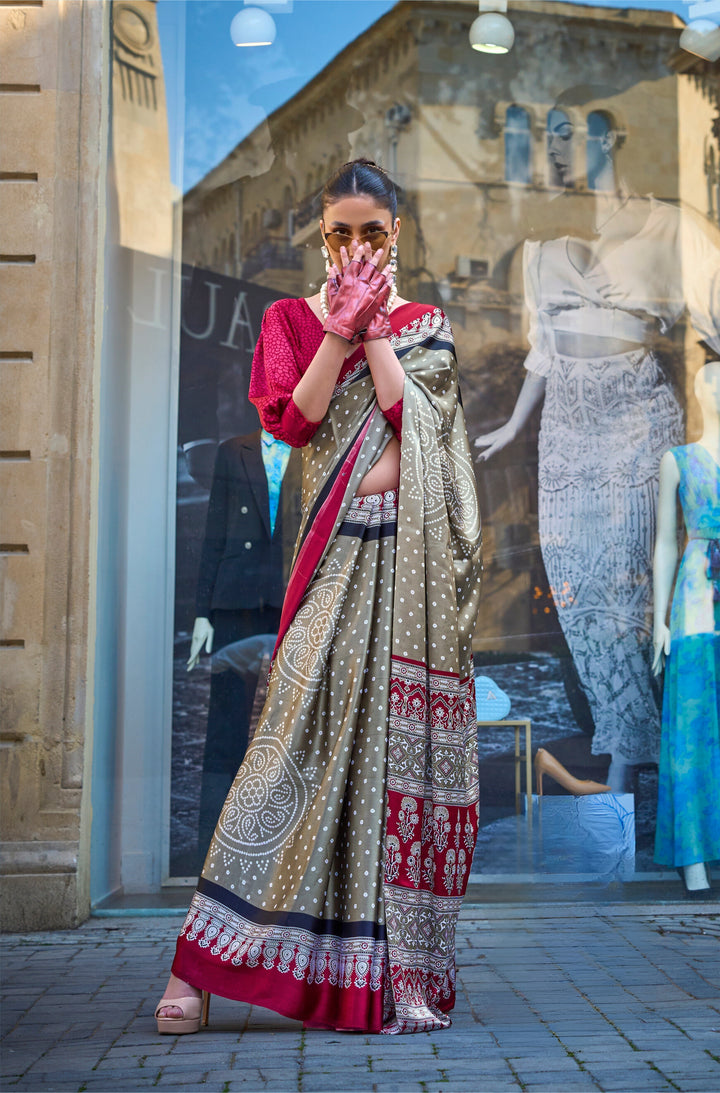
x=688 y=823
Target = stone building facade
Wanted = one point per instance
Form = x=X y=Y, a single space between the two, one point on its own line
x=84 y=160
x=53 y=119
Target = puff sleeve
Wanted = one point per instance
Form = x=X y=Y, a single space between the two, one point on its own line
x=538 y=359
x=274 y=376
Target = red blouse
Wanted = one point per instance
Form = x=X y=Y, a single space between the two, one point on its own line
x=290 y=336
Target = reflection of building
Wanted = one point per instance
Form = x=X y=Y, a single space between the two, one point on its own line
x=466 y=136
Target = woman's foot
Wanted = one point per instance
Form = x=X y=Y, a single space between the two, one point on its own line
x=176 y=989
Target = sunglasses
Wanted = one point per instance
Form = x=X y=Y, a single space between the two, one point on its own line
x=335 y=240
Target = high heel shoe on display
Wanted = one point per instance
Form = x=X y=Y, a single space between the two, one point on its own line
x=545 y=763
x=195 y=1013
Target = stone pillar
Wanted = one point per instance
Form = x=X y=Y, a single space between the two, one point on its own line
x=140 y=145
x=53 y=136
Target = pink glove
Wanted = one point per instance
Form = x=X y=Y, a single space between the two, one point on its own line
x=356 y=301
x=379 y=325
x=334 y=277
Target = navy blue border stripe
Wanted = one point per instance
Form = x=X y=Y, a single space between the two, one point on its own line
x=319 y=926
x=429 y=343
x=362 y=531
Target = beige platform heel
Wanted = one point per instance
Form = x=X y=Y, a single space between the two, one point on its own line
x=195 y=1014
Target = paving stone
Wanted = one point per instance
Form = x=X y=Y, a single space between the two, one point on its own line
x=531 y=989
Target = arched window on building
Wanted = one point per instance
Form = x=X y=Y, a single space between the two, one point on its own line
x=518 y=145
x=597 y=152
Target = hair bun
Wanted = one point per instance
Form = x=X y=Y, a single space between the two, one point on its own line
x=365 y=162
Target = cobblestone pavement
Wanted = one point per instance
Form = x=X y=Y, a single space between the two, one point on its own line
x=550 y=998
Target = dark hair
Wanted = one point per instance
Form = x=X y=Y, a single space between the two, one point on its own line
x=361 y=176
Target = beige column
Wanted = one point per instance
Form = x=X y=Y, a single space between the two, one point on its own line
x=53 y=127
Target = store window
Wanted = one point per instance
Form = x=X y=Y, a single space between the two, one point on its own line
x=584 y=302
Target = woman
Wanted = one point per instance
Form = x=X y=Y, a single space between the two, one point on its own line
x=333 y=881
x=595 y=309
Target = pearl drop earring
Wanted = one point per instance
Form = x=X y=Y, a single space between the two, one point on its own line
x=326 y=255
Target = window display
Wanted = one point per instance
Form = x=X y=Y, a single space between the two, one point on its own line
x=559 y=211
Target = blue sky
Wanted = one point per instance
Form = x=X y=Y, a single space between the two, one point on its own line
x=223 y=92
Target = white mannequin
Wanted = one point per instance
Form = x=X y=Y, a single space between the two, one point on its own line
x=665 y=559
x=203 y=634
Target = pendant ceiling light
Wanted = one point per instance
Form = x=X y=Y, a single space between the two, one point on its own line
x=492 y=31
x=253 y=27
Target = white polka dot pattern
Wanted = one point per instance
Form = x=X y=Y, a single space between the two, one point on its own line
x=341 y=855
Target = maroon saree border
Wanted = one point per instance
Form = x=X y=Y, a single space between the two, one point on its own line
x=339 y=1006
x=317 y=538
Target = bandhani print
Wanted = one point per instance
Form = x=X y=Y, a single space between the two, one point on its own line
x=332 y=885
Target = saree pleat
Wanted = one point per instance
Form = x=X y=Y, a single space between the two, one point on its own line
x=334 y=879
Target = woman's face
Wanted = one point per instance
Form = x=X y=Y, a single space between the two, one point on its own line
x=559 y=145
x=358 y=219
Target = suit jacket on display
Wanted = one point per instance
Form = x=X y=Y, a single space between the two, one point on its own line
x=242 y=564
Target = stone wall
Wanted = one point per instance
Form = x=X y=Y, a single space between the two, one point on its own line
x=53 y=125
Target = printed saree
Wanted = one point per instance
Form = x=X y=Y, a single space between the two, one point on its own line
x=332 y=885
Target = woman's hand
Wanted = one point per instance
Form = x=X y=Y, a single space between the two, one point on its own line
x=361 y=289
x=333 y=283
x=379 y=326
x=495 y=441
x=661 y=647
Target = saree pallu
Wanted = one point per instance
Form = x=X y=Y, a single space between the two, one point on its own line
x=335 y=876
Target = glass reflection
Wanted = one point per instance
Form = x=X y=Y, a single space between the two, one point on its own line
x=518 y=146
x=520 y=208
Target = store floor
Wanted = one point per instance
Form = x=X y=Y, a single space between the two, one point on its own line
x=572 y=997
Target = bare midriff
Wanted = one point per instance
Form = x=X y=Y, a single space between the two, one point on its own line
x=385 y=475
x=572 y=344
